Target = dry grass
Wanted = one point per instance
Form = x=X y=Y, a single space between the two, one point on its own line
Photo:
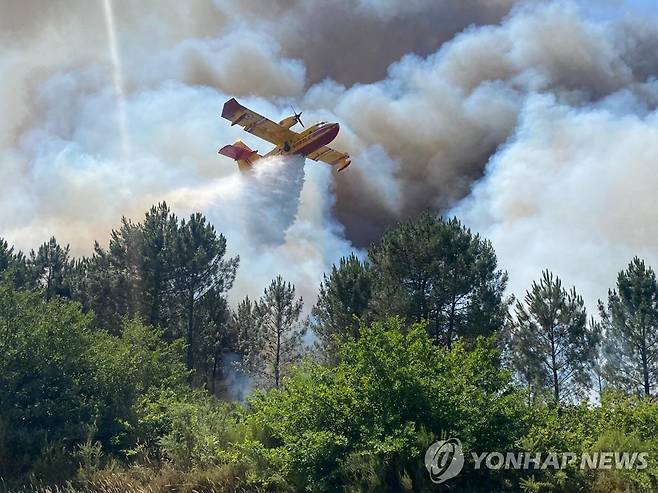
x=221 y=479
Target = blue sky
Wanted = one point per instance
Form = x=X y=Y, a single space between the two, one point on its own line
x=614 y=8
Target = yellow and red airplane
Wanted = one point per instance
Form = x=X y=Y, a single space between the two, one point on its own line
x=311 y=143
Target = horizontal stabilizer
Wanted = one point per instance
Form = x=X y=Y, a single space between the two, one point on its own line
x=237 y=152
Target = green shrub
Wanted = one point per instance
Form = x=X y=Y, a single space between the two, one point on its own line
x=364 y=417
x=59 y=379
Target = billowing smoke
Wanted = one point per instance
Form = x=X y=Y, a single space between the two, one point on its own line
x=573 y=191
x=533 y=121
x=67 y=172
x=440 y=118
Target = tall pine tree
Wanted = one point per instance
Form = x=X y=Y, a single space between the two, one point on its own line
x=96 y=286
x=277 y=341
x=50 y=269
x=343 y=301
x=6 y=256
x=437 y=270
x=159 y=233
x=123 y=261
x=248 y=334
x=554 y=347
x=631 y=329
x=13 y=265
x=198 y=268
x=216 y=337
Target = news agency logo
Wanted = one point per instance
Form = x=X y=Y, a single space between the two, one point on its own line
x=444 y=460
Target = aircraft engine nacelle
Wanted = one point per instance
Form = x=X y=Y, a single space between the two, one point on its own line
x=288 y=122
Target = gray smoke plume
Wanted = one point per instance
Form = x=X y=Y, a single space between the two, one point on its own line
x=511 y=114
x=440 y=118
x=354 y=41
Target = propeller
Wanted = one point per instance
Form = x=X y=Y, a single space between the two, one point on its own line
x=298 y=116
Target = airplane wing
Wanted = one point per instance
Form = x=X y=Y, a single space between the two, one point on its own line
x=331 y=157
x=256 y=124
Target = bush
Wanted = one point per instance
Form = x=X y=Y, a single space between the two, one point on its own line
x=621 y=423
x=59 y=379
x=370 y=415
x=47 y=378
x=201 y=433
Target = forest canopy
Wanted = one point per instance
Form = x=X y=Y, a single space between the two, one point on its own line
x=129 y=370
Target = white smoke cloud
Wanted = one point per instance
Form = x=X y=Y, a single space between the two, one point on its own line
x=422 y=111
x=573 y=191
x=65 y=172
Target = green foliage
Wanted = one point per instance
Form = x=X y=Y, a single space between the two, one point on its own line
x=553 y=346
x=343 y=302
x=369 y=410
x=103 y=393
x=46 y=376
x=438 y=271
x=200 y=433
x=138 y=363
x=275 y=341
x=58 y=379
x=631 y=323
x=620 y=424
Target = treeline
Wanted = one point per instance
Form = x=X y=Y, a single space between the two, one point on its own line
x=174 y=274
x=113 y=367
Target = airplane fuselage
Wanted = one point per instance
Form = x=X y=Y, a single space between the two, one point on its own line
x=310 y=139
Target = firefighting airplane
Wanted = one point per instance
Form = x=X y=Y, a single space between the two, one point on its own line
x=311 y=143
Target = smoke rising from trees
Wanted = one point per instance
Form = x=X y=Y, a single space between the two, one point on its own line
x=531 y=121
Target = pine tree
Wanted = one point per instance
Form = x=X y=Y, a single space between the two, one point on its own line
x=198 y=268
x=50 y=269
x=631 y=329
x=554 y=348
x=343 y=301
x=13 y=266
x=216 y=336
x=158 y=233
x=438 y=271
x=277 y=342
x=248 y=334
x=95 y=286
x=123 y=262
x=6 y=256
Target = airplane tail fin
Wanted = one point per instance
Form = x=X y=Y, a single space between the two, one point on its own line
x=241 y=153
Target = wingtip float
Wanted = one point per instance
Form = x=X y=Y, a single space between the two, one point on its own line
x=310 y=143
